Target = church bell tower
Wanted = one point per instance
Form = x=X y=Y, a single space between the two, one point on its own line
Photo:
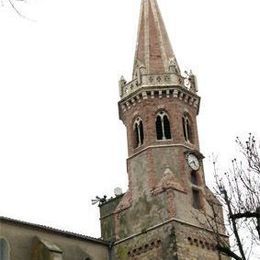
x=158 y=217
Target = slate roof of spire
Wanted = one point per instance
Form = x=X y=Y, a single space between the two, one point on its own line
x=153 y=50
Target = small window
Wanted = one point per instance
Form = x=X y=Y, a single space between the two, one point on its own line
x=138 y=132
x=196 y=199
x=163 y=128
x=4 y=250
x=159 y=130
x=187 y=129
x=167 y=128
x=141 y=132
x=194 y=177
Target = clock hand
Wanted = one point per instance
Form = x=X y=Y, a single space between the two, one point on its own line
x=195 y=164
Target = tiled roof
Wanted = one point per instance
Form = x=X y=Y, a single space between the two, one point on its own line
x=52 y=230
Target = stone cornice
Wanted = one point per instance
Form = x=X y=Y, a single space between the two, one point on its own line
x=189 y=148
x=165 y=223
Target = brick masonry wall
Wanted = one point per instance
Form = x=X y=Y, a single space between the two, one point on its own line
x=169 y=242
x=147 y=109
x=194 y=244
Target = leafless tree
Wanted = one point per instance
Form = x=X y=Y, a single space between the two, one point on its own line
x=239 y=192
x=13 y=5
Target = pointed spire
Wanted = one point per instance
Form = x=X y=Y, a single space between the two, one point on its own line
x=154 y=54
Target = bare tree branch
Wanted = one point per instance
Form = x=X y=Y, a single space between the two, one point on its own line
x=227 y=251
x=238 y=189
x=13 y=5
x=246 y=215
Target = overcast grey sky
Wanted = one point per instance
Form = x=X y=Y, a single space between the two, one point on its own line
x=61 y=142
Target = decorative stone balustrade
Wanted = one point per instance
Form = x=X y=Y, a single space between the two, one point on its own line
x=160 y=81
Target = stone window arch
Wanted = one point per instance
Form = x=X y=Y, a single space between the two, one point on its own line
x=4 y=249
x=187 y=128
x=138 y=132
x=163 y=126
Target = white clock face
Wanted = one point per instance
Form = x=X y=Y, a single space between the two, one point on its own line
x=193 y=162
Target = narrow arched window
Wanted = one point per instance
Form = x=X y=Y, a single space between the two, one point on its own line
x=138 y=132
x=196 y=203
x=163 y=127
x=194 y=178
x=4 y=249
x=141 y=130
x=167 y=127
x=159 y=129
x=187 y=131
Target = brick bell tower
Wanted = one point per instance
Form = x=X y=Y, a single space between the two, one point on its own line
x=159 y=216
